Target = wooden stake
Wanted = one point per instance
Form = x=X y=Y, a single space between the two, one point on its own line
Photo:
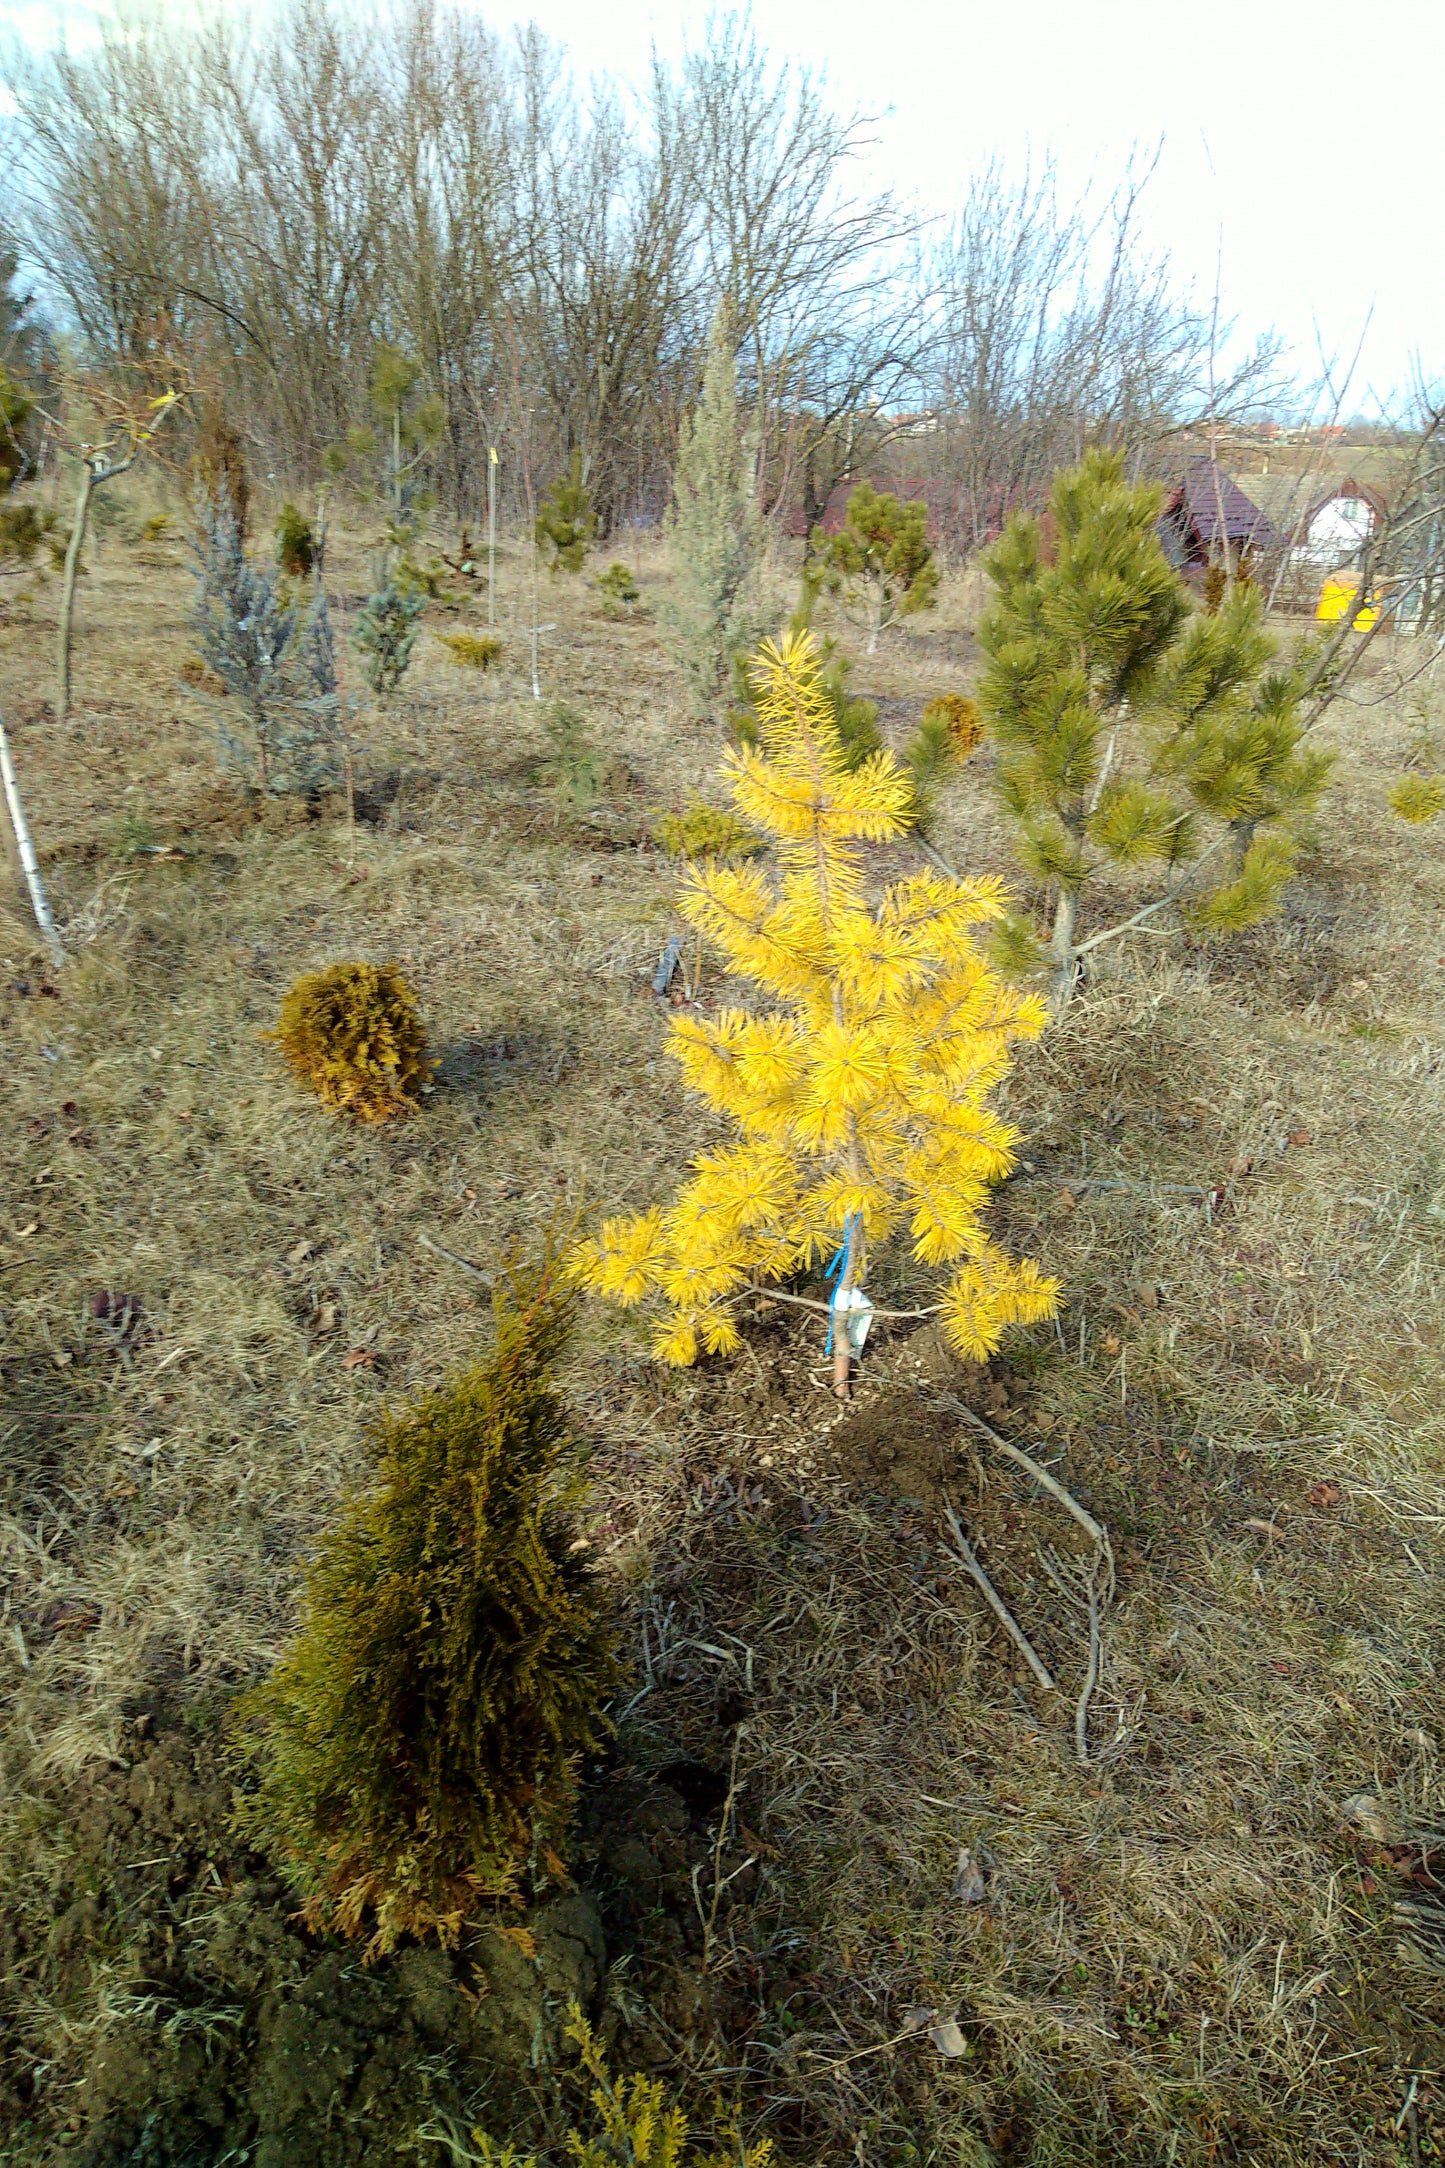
x=28 y=861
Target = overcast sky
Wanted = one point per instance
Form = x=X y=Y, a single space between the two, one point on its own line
x=1301 y=143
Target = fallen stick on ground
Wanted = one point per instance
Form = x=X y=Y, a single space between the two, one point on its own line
x=964 y=1557
x=440 y=1249
x=1041 y=1475
x=1102 y=1572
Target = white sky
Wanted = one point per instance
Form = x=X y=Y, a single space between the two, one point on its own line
x=1302 y=142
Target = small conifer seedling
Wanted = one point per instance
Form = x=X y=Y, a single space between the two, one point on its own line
x=385 y=630
x=859 y=1088
x=23 y=529
x=880 y=560
x=295 y=543
x=565 y=522
x=618 y=588
x=415 y=1751
x=351 y=1032
x=1128 y=724
x=575 y=766
x=245 y=626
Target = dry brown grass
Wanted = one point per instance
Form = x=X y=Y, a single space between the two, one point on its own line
x=1185 y=1952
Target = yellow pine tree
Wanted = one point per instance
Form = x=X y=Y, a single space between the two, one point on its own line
x=859 y=1086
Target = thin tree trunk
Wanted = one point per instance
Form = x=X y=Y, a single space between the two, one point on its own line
x=842 y=1346
x=67 y=589
x=29 y=863
x=491 y=538
x=1061 y=950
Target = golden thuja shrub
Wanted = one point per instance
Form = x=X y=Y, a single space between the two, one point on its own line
x=472 y=650
x=859 y=1086
x=414 y=1753
x=705 y=831
x=352 y=1033
x=960 y=717
x=635 y=2126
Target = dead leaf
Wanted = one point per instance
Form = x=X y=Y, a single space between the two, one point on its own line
x=1364 y=1812
x=1240 y=1166
x=1326 y=1493
x=70 y=1617
x=1299 y=1136
x=301 y=1252
x=1110 y=1343
x=947 y=2038
x=359 y=1358
x=917 y=2016
x=969 y=1886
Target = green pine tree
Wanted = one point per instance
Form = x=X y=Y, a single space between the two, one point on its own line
x=1132 y=728
x=565 y=521
x=715 y=532
x=880 y=560
x=415 y=1751
x=854 y=715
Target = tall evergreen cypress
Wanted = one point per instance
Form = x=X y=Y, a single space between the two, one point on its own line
x=715 y=531
x=1132 y=728
x=416 y=1748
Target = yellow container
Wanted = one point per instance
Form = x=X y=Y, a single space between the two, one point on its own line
x=1337 y=597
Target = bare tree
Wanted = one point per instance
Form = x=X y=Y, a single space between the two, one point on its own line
x=107 y=428
x=829 y=329
x=1056 y=330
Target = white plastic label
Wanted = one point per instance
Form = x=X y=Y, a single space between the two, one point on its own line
x=854 y=1313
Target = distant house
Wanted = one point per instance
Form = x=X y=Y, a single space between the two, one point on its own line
x=1336 y=525
x=1207 y=517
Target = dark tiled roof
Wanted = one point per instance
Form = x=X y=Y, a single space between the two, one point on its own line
x=1205 y=492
